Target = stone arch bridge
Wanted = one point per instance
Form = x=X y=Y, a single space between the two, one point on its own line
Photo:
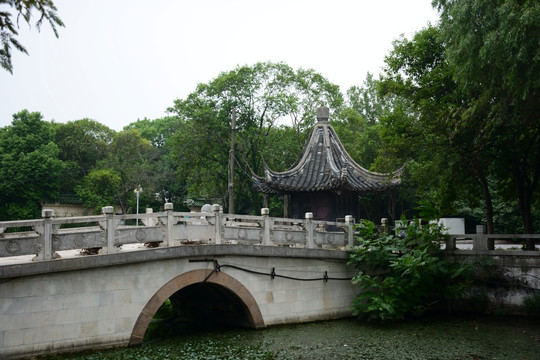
x=251 y=271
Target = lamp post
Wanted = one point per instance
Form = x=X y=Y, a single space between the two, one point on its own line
x=231 y=164
x=137 y=191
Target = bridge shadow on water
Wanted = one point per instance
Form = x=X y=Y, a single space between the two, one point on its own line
x=200 y=307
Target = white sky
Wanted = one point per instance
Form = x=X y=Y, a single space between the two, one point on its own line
x=117 y=61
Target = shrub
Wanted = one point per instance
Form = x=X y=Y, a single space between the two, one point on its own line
x=532 y=304
x=404 y=275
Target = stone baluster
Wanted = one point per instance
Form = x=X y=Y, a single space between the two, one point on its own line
x=384 y=224
x=169 y=207
x=217 y=214
x=110 y=229
x=309 y=229
x=265 y=212
x=45 y=248
x=149 y=221
x=451 y=242
x=349 y=230
x=480 y=241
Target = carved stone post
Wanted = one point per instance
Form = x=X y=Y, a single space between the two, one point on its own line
x=169 y=207
x=149 y=221
x=110 y=229
x=384 y=223
x=480 y=241
x=267 y=225
x=349 y=230
x=309 y=229
x=45 y=249
x=451 y=242
x=217 y=214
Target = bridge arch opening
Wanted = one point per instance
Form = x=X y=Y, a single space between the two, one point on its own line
x=219 y=299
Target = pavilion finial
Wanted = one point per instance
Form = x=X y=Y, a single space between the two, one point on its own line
x=322 y=114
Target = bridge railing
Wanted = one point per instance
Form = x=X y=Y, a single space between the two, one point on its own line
x=482 y=242
x=107 y=233
x=479 y=241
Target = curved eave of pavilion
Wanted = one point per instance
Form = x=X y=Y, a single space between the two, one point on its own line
x=325 y=165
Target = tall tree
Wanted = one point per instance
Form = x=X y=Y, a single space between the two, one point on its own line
x=82 y=144
x=165 y=181
x=494 y=48
x=436 y=130
x=157 y=131
x=126 y=167
x=368 y=101
x=9 y=24
x=29 y=166
x=262 y=94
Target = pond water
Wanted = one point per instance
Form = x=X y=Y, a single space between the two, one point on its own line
x=475 y=338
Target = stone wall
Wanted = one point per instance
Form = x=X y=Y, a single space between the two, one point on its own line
x=502 y=280
x=66 y=210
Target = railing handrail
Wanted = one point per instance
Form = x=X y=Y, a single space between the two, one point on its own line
x=168 y=228
x=19 y=223
x=482 y=241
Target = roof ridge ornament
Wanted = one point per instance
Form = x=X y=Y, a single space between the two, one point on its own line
x=323 y=113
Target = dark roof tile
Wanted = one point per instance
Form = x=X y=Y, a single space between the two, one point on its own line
x=324 y=164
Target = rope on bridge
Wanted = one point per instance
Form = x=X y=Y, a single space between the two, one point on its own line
x=272 y=274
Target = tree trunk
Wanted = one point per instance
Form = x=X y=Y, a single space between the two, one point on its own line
x=524 y=191
x=488 y=203
x=479 y=172
x=392 y=202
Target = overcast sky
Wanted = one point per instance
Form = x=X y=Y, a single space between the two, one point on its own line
x=117 y=61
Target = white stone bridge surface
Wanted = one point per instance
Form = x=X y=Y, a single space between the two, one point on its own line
x=250 y=271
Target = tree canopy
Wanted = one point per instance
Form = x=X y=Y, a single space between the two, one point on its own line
x=262 y=95
x=29 y=166
x=493 y=48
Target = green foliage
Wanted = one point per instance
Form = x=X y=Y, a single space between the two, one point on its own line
x=532 y=304
x=492 y=48
x=262 y=95
x=403 y=275
x=82 y=143
x=499 y=38
x=29 y=166
x=126 y=166
x=166 y=183
x=359 y=136
x=100 y=188
x=423 y=128
x=157 y=131
x=165 y=311
x=9 y=24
